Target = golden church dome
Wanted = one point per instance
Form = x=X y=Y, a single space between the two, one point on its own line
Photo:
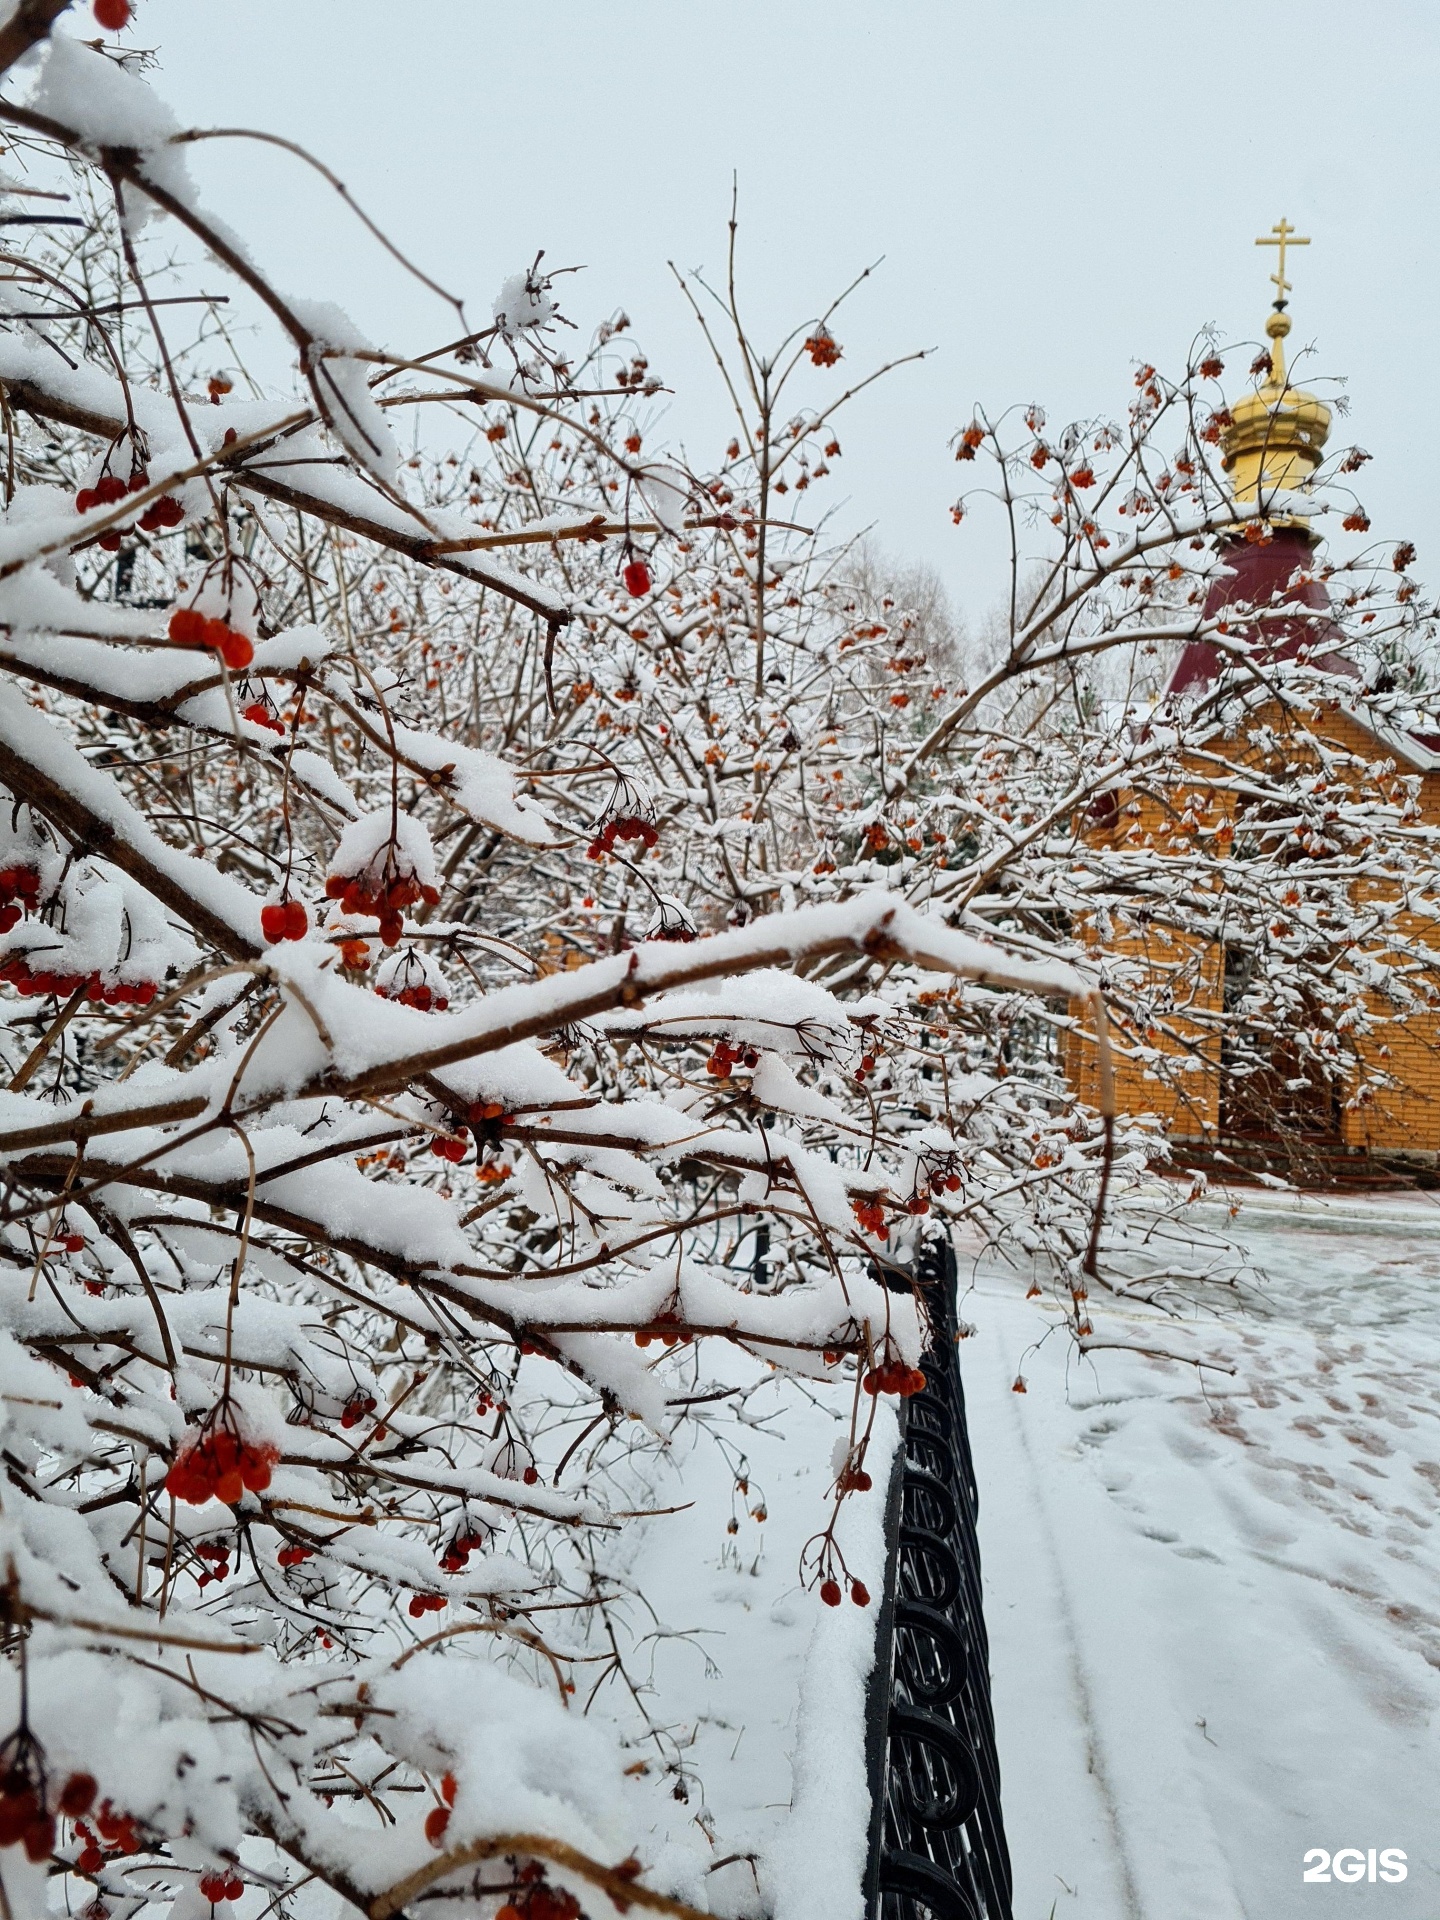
x=1276 y=436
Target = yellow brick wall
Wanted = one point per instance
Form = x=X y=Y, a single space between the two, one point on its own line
x=1402 y=1118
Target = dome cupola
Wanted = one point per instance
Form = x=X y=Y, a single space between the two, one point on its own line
x=1276 y=436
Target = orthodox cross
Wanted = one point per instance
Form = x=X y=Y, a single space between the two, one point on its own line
x=1282 y=236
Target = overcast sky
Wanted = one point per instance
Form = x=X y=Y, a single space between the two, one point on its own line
x=1058 y=188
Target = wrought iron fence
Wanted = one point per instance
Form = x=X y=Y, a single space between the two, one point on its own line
x=937 y=1839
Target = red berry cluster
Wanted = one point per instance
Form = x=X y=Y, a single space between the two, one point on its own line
x=22 y=1813
x=866 y=1067
x=541 y=1901
x=668 y=1318
x=19 y=890
x=356 y=1408
x=221 y=1464
x=113 y=1833
x=428 y=1001
x=423 y=1603
x=284 y=920
x=262 y=716
x=636 y=576
x=830 y=1593
x=625 y=826
x=388 y=902
x=823 y=348
x=895 y=1377
x=125 y=993
x=219 y=1556
x=724 y=1060
x=25 y=1813
x=943 y=1182
x=294 y=1556
x=110 y=489
x=452 y=1147
x=216 y=1887
x=190 y=628
x=870 y=1212
x=162 y=514
x=455 y=1556
x=931 y=1182
x=438 y=1818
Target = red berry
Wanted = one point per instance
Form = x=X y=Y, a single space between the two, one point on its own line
x=74 y=1243
x=255 y=1467
x=77 y=1796
x=236 y=651
x=436 y=1821
x=234 y=1887
x=860 y=1593
x=830 y=1592
x=637 y=579
x=274 y=921
x=448 y=1788
x=40 y=1837
x=187 y=626
x=112 y=15
x=297 y=921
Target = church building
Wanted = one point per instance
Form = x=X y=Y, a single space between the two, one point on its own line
x=1272 y=446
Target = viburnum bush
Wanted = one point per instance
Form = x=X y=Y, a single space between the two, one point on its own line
x=410 y=1078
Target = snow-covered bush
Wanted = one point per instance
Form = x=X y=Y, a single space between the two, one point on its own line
x=370 y=1187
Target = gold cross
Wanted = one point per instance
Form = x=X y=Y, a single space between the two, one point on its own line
x=1282 y=236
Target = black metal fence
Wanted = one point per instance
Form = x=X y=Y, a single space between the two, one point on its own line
x=937 y=1840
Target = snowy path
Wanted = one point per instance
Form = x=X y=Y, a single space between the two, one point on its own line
x=1215 y=1614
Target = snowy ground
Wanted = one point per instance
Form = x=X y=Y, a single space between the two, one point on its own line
x=1215 y=1610
x=755 y=1688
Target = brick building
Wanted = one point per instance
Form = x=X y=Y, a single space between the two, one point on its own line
x=1273 y=445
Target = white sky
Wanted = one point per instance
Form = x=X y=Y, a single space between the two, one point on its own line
x=1059 y=188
